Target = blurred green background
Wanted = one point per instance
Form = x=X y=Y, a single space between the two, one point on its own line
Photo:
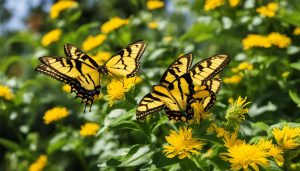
x=264 y=68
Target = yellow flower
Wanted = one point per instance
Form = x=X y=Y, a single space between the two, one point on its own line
x=221 y=132
x=167 y=39
x=231 y=140
x=269 y=10
x=113 y=24
x=285 y=74
x=153 y=25
x=272 y=150
x=39 y=164
x=117 y=88
x=288 y=138
x=280 y=40
x=212 y=4
x=254 y=40
x=234 y=3
x=66 y=88
x=235 y=79
x=236 y=112
x=55 y=114
x=182 y=144
x=230 y=100
x=243 y=66
x=6 y=93
x=246 y=156
x=297 y=31
x=154 y=4
x=61 y=6
x=102 y=57
x=51 y=37
x=93 y=41
x=89 y=129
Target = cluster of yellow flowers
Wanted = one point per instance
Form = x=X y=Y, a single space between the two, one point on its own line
x=60 y=6
x=55 y=114
x=39 y=164
x=6 y=93
x=212 y=4
x=237 y=78
x=116 y=89
x=89 y=129
x=275 y=39
x=269 y=10
x=51 y=37
x=154 y=4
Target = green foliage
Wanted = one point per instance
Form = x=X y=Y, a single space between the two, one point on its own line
x=122 y=142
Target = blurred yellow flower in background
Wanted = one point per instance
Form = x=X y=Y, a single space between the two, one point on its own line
x=221 y=132
x=243 y=66
x=153 y=25
x=235 y=79
x=66 y=88
x=255 y=40
x=55 y=114
x=39 y=164
x=61 y=6
x=89 y=129
x=102 y=57
x=280 y=40
x=182 y=144
x=246 y=156
x=117 y=88
x=234 y=3
x=92 y=42
x=212 y=4
x=154 y=4
x=113 y=24
x=285 y=74
x=6 y=93
x=51 y=37
x=269 y=10
x=296 y=31
x=288 y=138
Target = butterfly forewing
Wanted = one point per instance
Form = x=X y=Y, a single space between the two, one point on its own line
x=148 y=105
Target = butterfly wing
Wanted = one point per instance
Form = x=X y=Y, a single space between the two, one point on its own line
x=179 y=67
x=126 y=62
x=83 y=79
x=148 y=105
x=208 y=68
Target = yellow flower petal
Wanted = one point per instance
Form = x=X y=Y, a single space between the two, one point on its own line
x=154 y=4
x=92 y=42
x=61 y=6
x=113 y=24
x=39 y=164
x=55 y=114
x=51 y=37
x=6 y=93
x=89 y=129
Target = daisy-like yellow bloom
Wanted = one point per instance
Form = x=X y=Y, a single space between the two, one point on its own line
x=269 y=10
x=154 y=4
x=287 y=138
x=66 y=88
x=234 y=3
x=113 y=24
x=230 y=139
x=297 y=31
x=153 y=25
x=60 y=6
x=55 y=114
x=246 y=156
x=101 y=57
x=182 y=144
x=51 y=37
x=285 y=74
x=92 y=42
x=116 y=89
x=236 y=112
x=235 y=79
x=89 y=129
x=255 y=40
x=272 y=150
x=6 y=93
x=243 y=66
x=212 y=4
x=280 y=40
x=39 y=164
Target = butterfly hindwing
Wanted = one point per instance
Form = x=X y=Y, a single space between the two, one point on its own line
x=148 y=105
x=126 y=62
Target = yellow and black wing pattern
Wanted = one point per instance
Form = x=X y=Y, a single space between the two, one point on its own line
x=151 y=102
x=125 y=63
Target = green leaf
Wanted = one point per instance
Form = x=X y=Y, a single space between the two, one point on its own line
x=9 y=144
x=295 y=65
x=136 y=155
x=294 y=97
x=161 y=161
x=56 y=143
x=290 y=17
x=198 y=32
